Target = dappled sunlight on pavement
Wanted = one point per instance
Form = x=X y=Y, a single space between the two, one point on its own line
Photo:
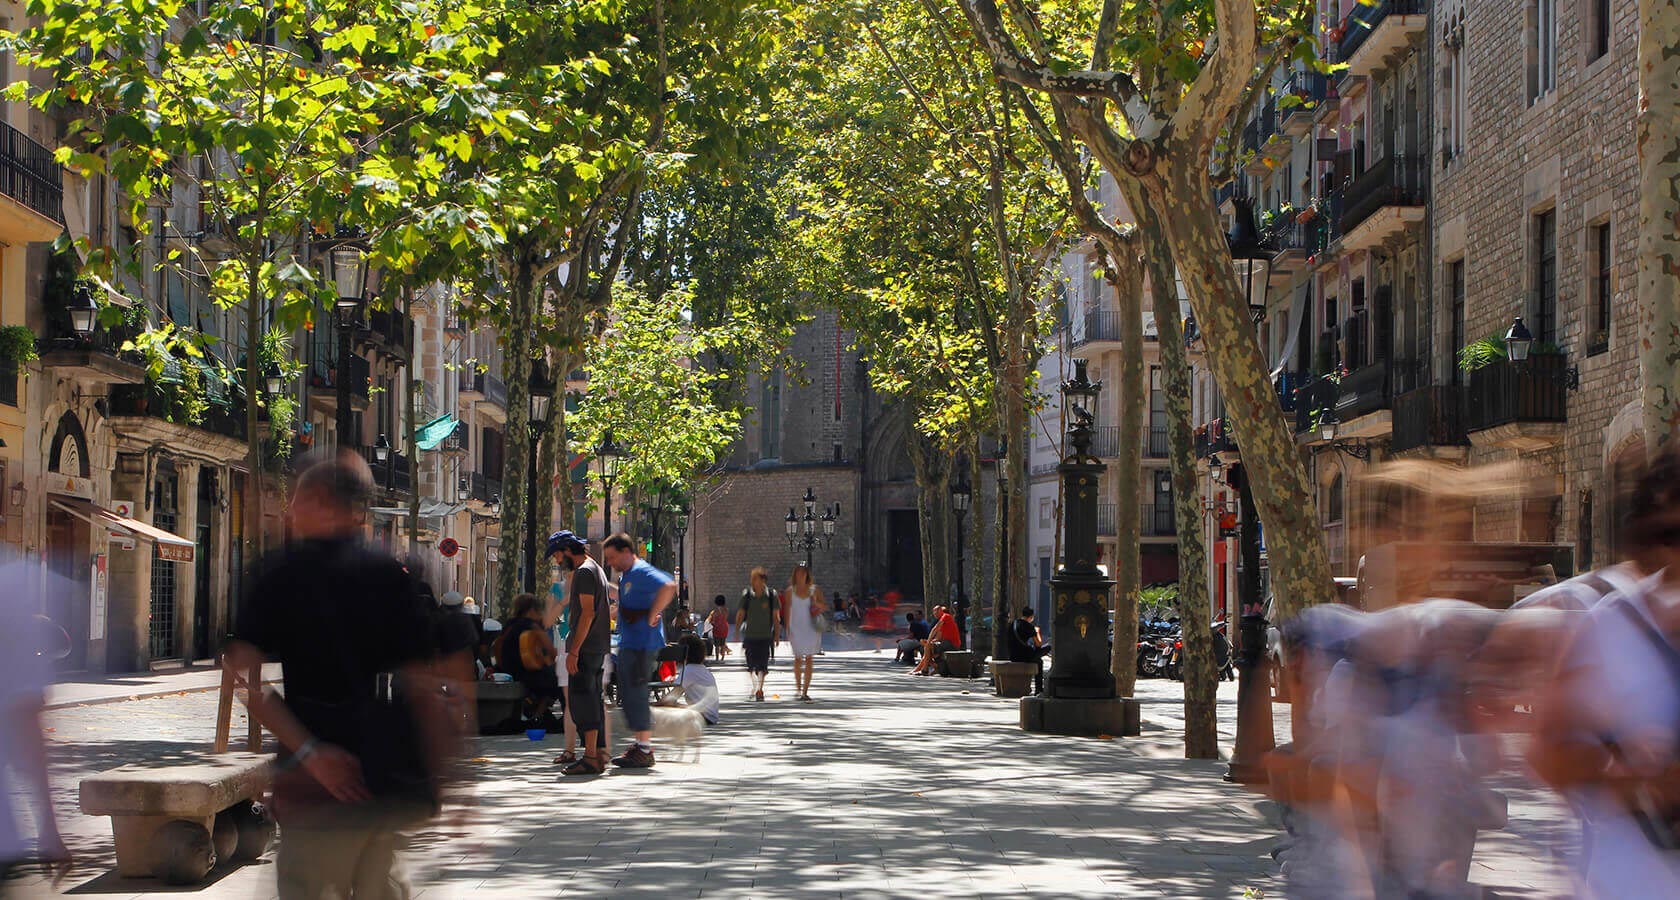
x=887 y=785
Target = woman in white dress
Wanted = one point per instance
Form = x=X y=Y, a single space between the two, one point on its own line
x=805 y=603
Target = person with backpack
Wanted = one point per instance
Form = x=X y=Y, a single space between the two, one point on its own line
x=758 y=620
x=720 y=627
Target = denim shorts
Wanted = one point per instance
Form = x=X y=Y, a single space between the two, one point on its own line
x=634 y=668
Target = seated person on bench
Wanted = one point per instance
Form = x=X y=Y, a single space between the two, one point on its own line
x=1026 y=644
x=528 y=655
x=945 y=637
x=911 y=647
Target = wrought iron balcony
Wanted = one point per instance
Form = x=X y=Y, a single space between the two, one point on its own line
x=1106 y=520
x=392 y=474
x=1365 y=20
x=1101 y=326
x=1394 y=181
x=1105 y=441
x=1430 y=416
x=390 y=332
x=1158 y=520
x=1155 y=442
x=1312 y=88
x=1505 y=393
x=483 y=386
x=482 y=487
x=1288 y=386
x=30 y=175
x=324 y=370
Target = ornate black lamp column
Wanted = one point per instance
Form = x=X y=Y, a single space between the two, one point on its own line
x=1079 y=696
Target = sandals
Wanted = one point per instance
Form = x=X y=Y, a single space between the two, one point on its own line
x=566 y=759
x=583 y=767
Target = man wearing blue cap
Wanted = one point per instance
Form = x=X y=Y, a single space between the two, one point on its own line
x=586 y=647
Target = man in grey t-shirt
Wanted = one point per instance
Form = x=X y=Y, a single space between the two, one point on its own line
x=586 y=648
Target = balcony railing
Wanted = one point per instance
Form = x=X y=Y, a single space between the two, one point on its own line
x=1391 y=181
x=1503 y=393
x=391 y=331
x=392 y=474
x=1363 y=391
x=1106 y=520
x=1314 y=396
x=1155 y=442
x=1364 y=19
x=1289 y=385
x=29 y=175
x=1311 y=87
x=1157 y=520
x=489 y=386
x=324 y=368
x=1105 y=441
x=1429 y=417
x=166 y=397
x=1100 y=325
x=482 y=487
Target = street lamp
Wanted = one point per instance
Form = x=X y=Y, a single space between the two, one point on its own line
x=348 y=260
x=1081 y=399
x=382 y=448
x=1252 y=259
x=1329 y=426
x=609 y=455
x=808 y=532
x=1518 y=341
x=82 y=311
x=680 y=526
x=540 y=393
x=961 y=495
x=1000 y=599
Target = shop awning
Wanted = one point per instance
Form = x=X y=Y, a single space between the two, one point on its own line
x=170 y=546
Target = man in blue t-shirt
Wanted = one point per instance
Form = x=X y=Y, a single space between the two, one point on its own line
x=643 y=594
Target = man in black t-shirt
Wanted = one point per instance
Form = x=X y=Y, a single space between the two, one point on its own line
x=586 y=648
x=361 y=722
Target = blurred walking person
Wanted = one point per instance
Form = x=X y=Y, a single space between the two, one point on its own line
x=758 y=619
x=29 y=643
x=1609 y=729
x=805 y=607
x=643 y=594
x=361 y=724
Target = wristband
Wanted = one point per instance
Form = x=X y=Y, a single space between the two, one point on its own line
x=306 y=750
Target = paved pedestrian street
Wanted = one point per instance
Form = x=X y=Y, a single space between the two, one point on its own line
x=887 y=786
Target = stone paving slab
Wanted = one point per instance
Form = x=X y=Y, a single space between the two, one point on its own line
x=888 y=786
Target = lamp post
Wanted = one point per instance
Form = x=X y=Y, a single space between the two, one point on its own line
x=808 y=532
x=961 y=495
x=382 y=455
x=349 y=272
x=1079 y=695
x=679 y=524
x=1254 y=738
x=541 y=394
x=608 y=454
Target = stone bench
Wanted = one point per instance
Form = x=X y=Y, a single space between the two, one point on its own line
x=960 y=664
x=1013 y=679
x=177 y=822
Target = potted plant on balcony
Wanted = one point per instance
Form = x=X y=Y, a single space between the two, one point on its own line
x=1308 y=212
x=17 y=345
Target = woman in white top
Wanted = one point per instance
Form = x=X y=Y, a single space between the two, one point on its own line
x=805 y=603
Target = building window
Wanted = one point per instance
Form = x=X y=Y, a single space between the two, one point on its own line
x=770 y=418
x=1542 y=48
x=1545 y=277
x=1455 y=341
x=1453 y=91
x=1599 y=29
x=1599 y=259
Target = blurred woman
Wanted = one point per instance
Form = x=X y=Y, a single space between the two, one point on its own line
x=805 y=604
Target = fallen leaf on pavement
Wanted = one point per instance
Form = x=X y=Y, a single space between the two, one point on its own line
x=1105 y=737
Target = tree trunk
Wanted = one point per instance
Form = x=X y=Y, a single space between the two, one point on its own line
x=975 y=551
x=933 y=478
x=255 y=544
x=515 y=503
x=1201 y=680
x=1659 y=218
x=1126 y=274
x=409 y=413
x=1016 y=553
x=554 y=472
x=1183 y=197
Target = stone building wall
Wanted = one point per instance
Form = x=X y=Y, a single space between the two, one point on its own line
x=1572 y=151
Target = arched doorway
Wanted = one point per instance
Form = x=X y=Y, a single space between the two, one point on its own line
x=68 y=551
x=1624 y=468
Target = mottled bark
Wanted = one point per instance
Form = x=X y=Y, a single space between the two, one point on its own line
x=974 y=581
x=1126 y=274
x=1659 y=217
x=1201 y=679
x=550 y=454
x=409 y=413
x=933 y=482
x=1183 y=198
x=515 y=503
